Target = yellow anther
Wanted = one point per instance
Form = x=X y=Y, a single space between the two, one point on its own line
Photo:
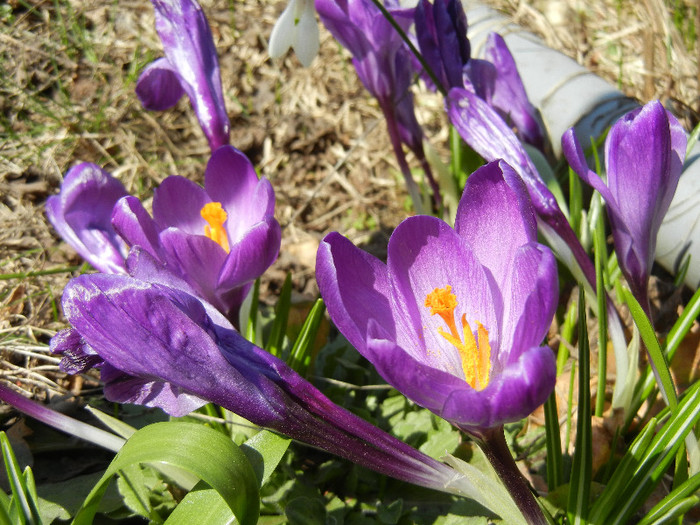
x=215 y=216
x=475 y=356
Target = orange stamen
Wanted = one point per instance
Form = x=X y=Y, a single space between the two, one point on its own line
x=215 y=216
x=476 y=357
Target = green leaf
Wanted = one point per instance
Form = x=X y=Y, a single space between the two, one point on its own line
x=581 y=471
x=659 y=364
x=553 y=442
x=300 y=356
x=201 y=505
x=195 y=448
x=279 y=326
x=601 y=256
x=643 y=466
x=252 y=324
x=675 y=503
x=305 y=511
x=264 y=451
x=28 y=510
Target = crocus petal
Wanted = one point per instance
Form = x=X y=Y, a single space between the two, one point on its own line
x=131 y=220
x=123 y=388
x=148 y=332
x=573 y=152
x=512 y=395
x=76 y=355
x=424 y=253
x=158 y=87
x=230 y=179
x=189 y=47
x=355 y=288
x=252 y=255
x=81 y=214
x=530 y=297
x=496 y=217
x=178 y=203
x=509 y=96
x=197 y=259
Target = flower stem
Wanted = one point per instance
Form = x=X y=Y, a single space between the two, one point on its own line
x=493 y=444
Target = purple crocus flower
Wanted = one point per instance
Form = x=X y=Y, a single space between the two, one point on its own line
x=508 y=95
x=81 y=214
x=384 y=65
x=190 y=66
x=456 y=317
x=158 y=345
x=219 y=238
x=644 y=154
x=441 y=31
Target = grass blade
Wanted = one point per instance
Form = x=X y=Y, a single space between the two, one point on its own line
x=279 y=326
x=300 y=356
x=553 y=442
x=28 y=510
x=582 y=468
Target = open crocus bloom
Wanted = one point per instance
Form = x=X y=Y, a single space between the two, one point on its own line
x=81 y=214
x=456 y=317
x=158 y=345
x=190 y=66
x=219 y=238
x=644 y=154
x=296 y=28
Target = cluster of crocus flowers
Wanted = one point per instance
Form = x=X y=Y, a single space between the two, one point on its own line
x=296 y=28
x=644 y=154
x=190 y=66
x=219 y=238
x=158 y=344
x=456 y=317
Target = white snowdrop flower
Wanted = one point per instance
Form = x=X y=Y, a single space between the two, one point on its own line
x=296 y=28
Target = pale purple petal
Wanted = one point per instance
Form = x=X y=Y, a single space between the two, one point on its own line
x=131 y=220
x=158 y=87
x=355 y=288
x=424 y=253
x=178 y=203
x=495 y=217
x=189 y=47
x=251 y=256
x=81 y=214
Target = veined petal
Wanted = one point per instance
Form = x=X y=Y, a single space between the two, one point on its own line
x=81 y=214
x=424 y=253
x=131 y=220
x=510 y=396
x=495 y=216
x=509 y=95
x=158 y=87
x=530 y=297
x=195 y=258
x=178 y=203
x=355 y=287
x=577 y=160
x=251 y=255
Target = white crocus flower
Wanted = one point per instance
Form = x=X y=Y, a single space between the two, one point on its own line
x=296 y=28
